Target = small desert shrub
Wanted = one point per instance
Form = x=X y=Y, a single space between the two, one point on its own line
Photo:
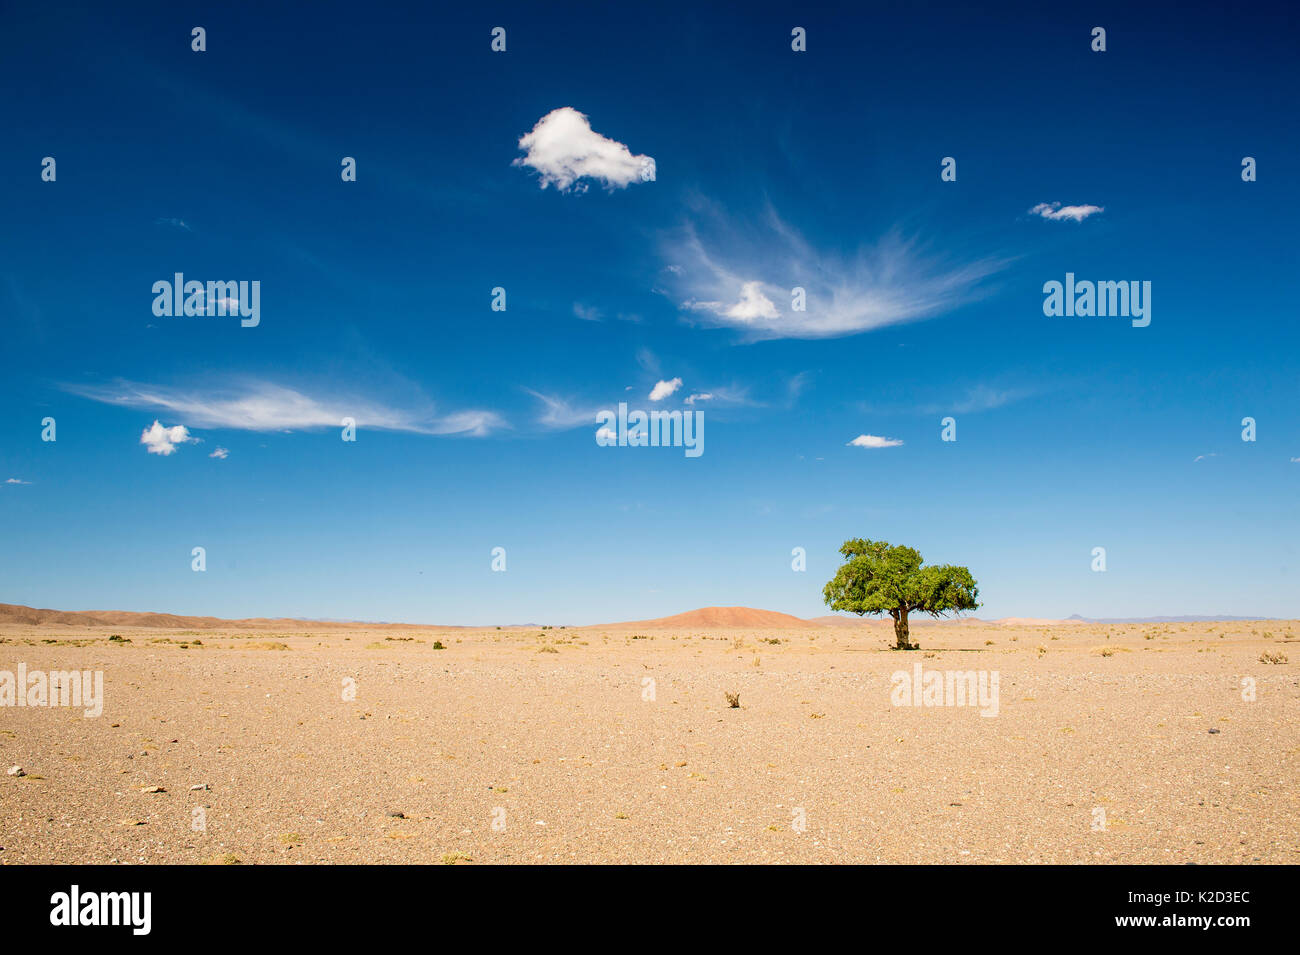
x=733 y=700
x=547 y=649
x=1267 y=657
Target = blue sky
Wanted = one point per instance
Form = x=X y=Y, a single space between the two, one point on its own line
x=772 y=169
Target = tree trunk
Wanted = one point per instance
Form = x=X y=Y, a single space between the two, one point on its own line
x=901 y=641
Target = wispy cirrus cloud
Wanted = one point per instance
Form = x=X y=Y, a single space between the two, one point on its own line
x=727 y=273
x=564 y=150
x=560 y=414
x=16 y=481
x=980 y=398
x=1055 y=212
x=255 y=405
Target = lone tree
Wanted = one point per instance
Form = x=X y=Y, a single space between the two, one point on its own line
x=879 y=578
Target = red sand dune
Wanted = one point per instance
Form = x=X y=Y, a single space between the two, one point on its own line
x=714 y=618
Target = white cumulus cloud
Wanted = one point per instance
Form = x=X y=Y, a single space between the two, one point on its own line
x=564 y=150
x=160 y=440
x=664 y=388
x=873 y=441
x=220 y=454
x=1056 y=212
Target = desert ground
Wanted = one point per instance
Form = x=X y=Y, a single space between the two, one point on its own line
x=327 y=743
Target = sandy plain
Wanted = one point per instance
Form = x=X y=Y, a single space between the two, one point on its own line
x=617 y=745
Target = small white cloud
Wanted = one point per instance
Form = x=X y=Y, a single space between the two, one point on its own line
x=1056 y=212
x=606 y=435
x=1295 y=460
x=175 y=224
x=664 y=388
x=16 y=481
x=160 y=440
x=753 y=305
x=702 y=396
x=564 y=150
x=873 y=441
x=587 y=313
x=221 y=453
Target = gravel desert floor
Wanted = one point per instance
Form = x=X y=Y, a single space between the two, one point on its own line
x=1155 y=743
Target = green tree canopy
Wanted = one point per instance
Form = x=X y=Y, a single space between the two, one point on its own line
x=877 y=577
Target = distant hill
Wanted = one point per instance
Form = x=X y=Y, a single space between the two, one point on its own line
x=831 y=620
x=1030 y=622
x=713 y=618
x=706 y=618
x=717 y=618
x=36 y=617
x=1075 y=618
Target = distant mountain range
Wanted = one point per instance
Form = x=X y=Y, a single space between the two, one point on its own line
x=1189 y=618
x=705 y=618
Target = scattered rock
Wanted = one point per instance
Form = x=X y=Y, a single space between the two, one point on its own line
x=17 y=771
x=1214 y=731
x=397 y=815
x=153 y=789
x=199 y=786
